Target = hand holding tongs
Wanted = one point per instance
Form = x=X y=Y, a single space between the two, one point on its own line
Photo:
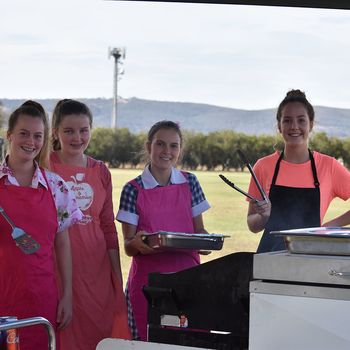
x=245 y=161
x=231 y=184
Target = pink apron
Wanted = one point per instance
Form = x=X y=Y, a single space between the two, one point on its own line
x=165 y=208
x=27 y=282
x=98 y=299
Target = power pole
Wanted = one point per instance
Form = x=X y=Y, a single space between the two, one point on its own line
x=119 y=54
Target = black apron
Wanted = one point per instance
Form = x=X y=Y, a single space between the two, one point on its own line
x=291 y=208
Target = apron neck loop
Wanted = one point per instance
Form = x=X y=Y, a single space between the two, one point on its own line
x=313 y=167
x=277 y=168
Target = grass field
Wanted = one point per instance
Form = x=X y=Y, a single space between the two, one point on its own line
x=227 y=214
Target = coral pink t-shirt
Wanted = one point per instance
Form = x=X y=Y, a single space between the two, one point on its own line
x=334 y=178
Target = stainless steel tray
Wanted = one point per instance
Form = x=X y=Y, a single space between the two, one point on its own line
x=179 y=240
x=317 y=240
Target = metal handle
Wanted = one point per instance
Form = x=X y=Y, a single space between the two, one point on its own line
x=341 y=274
x=231 y=184
x=3 y=213
x=26 y=322
x=246 y=162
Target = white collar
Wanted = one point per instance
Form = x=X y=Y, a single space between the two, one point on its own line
x=150 y=182
x=38 y=177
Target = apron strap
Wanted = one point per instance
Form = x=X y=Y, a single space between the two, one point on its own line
x=185 y=174
x=44 y=175
x=277 y=168
x=135 y=184
x=314 y=172
x=313 y=167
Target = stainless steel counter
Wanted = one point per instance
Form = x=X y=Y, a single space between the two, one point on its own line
x=299 y=302
x=320 y=269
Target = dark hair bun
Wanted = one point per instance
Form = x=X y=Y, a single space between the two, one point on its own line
x=296 y=94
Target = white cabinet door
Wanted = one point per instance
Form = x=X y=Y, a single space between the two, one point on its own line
x=284 y=322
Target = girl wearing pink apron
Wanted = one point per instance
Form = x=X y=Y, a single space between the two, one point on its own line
x=27 y=290
x=39 y=203
x=161 y=199
x=97 y=292
x=99 y=306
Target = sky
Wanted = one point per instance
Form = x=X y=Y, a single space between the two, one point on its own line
x=235 y=56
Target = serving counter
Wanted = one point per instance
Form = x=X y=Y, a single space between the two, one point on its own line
x=299 y=301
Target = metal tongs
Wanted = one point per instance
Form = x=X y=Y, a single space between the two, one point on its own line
x=246 y=162
x=231 y=184
x=23 y=240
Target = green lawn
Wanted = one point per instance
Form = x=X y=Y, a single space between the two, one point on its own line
x=227 y=214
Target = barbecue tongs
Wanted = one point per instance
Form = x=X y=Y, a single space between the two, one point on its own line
x=231 y=184
x=246 y=162
x=23 y=241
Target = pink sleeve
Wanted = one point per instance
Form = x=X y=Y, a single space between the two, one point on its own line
x=107 y=214
x=341 y=180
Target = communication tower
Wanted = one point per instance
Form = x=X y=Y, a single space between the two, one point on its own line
x=119 y=55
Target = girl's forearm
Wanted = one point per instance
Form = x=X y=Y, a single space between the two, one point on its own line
x=64 y=261
x=256 y=222
x=115 y=262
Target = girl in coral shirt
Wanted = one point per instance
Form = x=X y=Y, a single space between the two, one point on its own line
x=300 y=183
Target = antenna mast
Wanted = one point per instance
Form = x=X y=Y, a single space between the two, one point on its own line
x=119 y=55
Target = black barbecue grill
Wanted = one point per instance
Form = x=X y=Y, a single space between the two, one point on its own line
x=214 y=299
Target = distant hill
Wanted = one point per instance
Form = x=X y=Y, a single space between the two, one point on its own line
x=138 y=115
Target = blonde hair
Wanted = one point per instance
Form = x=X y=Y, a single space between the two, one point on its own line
x=62 y=109
x=34 y=110
x=163 y=124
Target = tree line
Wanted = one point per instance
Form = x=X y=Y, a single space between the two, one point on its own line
x=216 y=150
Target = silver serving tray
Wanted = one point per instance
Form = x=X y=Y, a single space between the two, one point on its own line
x=179 y=240
x=317 y=240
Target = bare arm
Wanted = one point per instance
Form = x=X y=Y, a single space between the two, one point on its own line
x=114 y=258
x=198 y=224
x=108 y=224
x=64 y=262
x=339 y=221
x=133 y=243
x=258 y=214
